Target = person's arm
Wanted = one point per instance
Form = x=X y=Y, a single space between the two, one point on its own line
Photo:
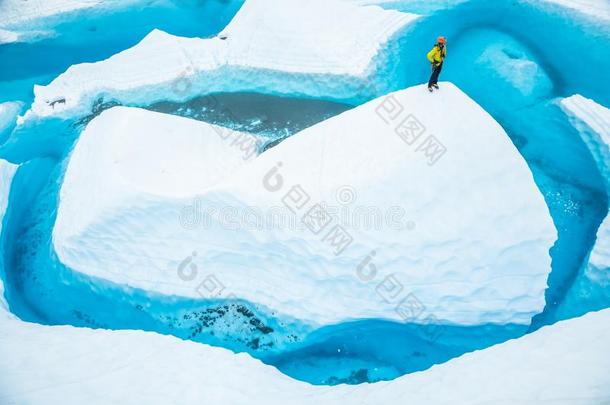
x=431 y=55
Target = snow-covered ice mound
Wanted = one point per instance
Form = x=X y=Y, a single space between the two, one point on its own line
x=178 y=157
x=288 y=47
x=62 y=364
x=410 y=199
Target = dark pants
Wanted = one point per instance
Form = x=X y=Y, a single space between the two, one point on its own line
x=435 y=72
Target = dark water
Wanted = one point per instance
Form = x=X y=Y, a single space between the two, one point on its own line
x=271 y=117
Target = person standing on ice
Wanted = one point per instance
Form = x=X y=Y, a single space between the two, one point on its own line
x=436 y=57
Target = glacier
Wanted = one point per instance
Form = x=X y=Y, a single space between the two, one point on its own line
x=147 y=188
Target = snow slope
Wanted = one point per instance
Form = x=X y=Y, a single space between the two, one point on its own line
x=283 y=47
x=7 y=171
x=178 y=157
x=459 y=228
x=559 y=364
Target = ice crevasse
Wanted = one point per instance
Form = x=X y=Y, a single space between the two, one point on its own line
x=465 y=230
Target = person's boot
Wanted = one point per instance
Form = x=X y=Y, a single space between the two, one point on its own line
x=435 y=86
x=430 y=89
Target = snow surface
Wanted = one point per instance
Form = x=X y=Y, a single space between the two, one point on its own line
x=592 y=121
x=285 y=47
x=468 y=236
x=143 y=154
x=7 y=171
x=558 y=364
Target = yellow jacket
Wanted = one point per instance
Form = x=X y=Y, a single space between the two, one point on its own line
x=436 y=55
